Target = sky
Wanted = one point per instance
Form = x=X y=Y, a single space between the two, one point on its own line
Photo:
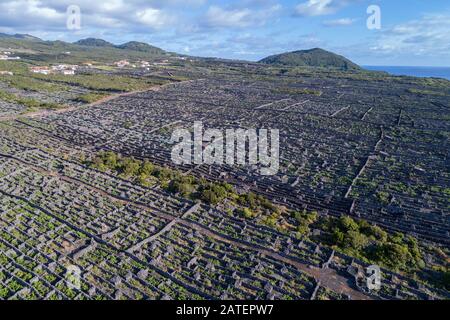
x=410 y=33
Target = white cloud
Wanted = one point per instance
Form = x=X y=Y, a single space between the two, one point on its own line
x=320 y=7
x=219 y=17
x=131 y=15
x=428 y=36
x=32 y=9
x=239 y=18
x=339 y=22
x=153 y=18
x=315 y=8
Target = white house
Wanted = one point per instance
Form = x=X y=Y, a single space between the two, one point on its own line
x=122 y=63
x=41 y=70
x=68 y=72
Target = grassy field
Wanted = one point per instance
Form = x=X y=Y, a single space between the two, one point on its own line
x=30 y=104
x=97 y=85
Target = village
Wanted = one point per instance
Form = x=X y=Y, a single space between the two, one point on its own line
x=68 y=70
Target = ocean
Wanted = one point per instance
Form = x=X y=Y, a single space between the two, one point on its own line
x=423 y=72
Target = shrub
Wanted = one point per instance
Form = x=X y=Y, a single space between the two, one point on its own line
x=393 y=255
x=355 y=240
x=303 y=230
x=130 y=167
x=182 y=185
x=348 y=224
x=213 y=193
x=247 y=213
x=378 y=233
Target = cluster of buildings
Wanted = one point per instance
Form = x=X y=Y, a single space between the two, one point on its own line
x=140 y=64
x=64 y=69
x=6 y=55
x=122 y=63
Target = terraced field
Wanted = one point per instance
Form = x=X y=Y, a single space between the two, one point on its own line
x=364 y=179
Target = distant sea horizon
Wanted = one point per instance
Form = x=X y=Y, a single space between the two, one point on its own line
x=422 y=72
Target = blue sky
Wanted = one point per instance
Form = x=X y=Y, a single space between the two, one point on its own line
x=413 y=32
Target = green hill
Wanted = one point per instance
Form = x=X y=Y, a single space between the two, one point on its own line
x=312 y=58
x=18 y=36
x=131 y=46
x=92 y=42
x=140 y=46
x=36 y=50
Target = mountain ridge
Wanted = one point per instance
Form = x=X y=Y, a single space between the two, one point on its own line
x=19 y=36
x=33 y=48
x=315 y=57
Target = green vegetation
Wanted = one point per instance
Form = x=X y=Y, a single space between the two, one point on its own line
x=254 y=201
x=183 y=185
x=30 y=104
x=384 y=197
x=36 y=52
x=371 y=243
x=87 y=49
x=91 y=97
x=99 y=85
x=214 y=193
x=312 y=58
x=428 y=92
x=25 y=82
x=304 y=220
x=359 y=239
x=141 y=47
x=103 y=82
x=92 y=42
x=146 y=174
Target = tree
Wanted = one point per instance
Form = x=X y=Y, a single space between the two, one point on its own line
x=303 y=230
x=348 y=224
x=355 y=240
x=184 y=188
x=213 y=193
x=147 y=168
x=98 y=164
x=312 y=217
x=338 y=237
x=378 y=233
x=415 y=251
x=130 y=167
x=110 y=160
x=251 y=199
x=398 y=238
x=247 y=213
x=209 y=197
x=393 y=255
x=270 y=221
